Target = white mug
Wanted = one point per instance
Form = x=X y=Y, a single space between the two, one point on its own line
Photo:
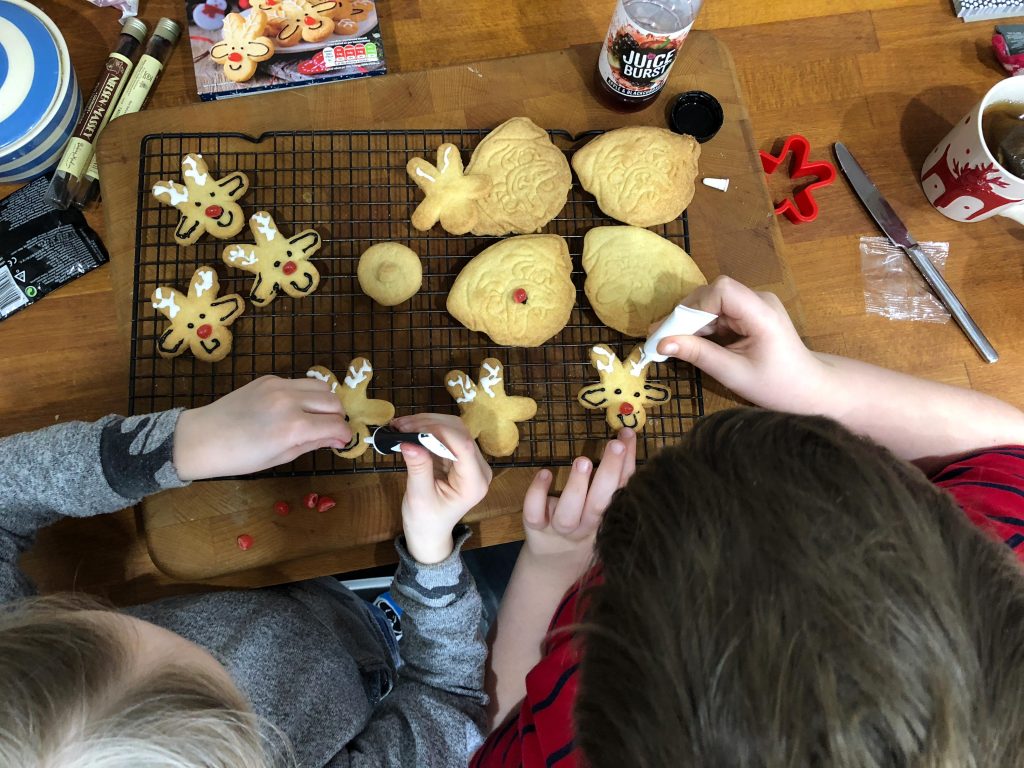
x=961 y=177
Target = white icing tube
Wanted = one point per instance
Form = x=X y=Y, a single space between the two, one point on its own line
x=719 y=184
x=684 y=321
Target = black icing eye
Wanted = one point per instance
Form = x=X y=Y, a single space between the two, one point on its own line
x=346 y=417
x=191 y=325
x=198 y=204
x=212 y=194
x=277 y=263
x=618 y=391
x=202 y=316
x=635 y=394
x=288 y=253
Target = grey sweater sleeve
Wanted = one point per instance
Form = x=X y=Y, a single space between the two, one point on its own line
x=435 y=714
x=77 y=469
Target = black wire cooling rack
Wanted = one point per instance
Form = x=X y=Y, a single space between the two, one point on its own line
x=352 y=187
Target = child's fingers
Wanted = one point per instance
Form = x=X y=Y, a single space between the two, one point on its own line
x=420 y=465
x=628 y=437
x=535 y=503
x=321 y=402
x=606 y=482
x=569 y=508
x=322 y=430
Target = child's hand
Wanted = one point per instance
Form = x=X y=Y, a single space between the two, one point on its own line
x=756 y=353
x=560 y=529
x=267 y=422
x=439 y=492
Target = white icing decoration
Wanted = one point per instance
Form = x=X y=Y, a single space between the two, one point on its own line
x=608 y=367
x=174 y=197
x=492 y=379
x=238 y=254
x=205 y=282
x=264 y=225
x=355 y=378
x=190 y=170
x=427 y=176
x=637 y=369
x=165 y=302
x=317 y=375
x=444 y=166
x=466 y=385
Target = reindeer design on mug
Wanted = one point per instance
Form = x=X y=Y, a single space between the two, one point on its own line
x=280 y=263
x=199 y=320
x=204 y=204
x=623 y=392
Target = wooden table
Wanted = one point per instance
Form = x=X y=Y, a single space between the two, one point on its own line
x=888 y=77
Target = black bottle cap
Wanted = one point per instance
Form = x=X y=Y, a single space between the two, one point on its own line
x=696 y=113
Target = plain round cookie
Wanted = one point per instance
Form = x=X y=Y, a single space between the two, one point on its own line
x=389 y=273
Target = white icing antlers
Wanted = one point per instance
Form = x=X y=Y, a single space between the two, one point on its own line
x=466 y=386
x=166 y=302
x=204 y=281
x=237 y=254
x=190 y=170
x=265 y=225
x=174 y=197
x=355 y=378
x=610 y=359
x=492 y=379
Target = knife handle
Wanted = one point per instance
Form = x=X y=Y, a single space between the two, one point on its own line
x=963 y=318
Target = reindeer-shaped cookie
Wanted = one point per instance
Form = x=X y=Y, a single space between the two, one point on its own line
x=199 y=319
x=204 y=204
x=280 y=263
x=488 y=413
x=623 y=393
x=349 y=14
x=450 y=195
x=360 y=412
x=299 y=21
x=243 y=46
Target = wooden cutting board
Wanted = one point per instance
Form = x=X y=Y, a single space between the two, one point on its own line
x=192 y=532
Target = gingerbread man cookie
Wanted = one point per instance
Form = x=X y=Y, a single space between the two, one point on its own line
x=280 y=263
x=199 y=319
x=350 y=14
x=623 y=392
x=204 y=204
x=451 y=195
x=299 y=21
x=360 y=412
x=243 y=45
x=488 y=413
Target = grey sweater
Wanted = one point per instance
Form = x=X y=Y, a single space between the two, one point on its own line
x=308 y=656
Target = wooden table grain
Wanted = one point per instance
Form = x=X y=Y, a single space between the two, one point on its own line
x=887 y=77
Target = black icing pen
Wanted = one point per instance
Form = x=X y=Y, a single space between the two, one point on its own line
x=386 y=440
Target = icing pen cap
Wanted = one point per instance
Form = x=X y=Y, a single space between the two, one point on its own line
x=696 y=113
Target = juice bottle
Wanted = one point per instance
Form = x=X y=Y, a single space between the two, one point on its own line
x=640 y=48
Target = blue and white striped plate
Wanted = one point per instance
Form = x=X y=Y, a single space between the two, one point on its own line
x=39 y=97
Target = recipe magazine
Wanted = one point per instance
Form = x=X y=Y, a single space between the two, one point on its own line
x=313 y=41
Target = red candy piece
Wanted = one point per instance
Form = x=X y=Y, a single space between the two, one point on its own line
x=519 y=295
x=310 y=21
x=325 y=503
x=204 y=331
x=289 y=267
x=282 y=508
x=626 y=409
x=235 y=56
x=244 y=542
x=310 y=500
x=214 y=211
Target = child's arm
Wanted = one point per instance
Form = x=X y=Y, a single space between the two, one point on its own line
x=82 y=469
x=559 y=548
x=435 y=714
x=759 y=356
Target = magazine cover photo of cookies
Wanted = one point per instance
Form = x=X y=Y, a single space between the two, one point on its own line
x=250 y=46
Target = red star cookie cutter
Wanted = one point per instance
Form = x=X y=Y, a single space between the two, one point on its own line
x=803 y=207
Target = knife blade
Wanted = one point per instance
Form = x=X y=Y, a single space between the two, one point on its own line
x=894 y=228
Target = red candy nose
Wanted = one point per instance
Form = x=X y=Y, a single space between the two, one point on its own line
x=289 y=267
x=204 y=331
x=519 y=295
x=235 y=57
x=626 y=409
x=271 y=2
x=214 y=211
x=310 y=21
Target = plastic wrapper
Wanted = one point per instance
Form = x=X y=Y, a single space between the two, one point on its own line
x=128 y=8
x=894 y=288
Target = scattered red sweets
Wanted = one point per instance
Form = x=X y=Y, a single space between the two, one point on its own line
x=326 y=503
x=311 y=500
x=244 y=542
x=282 y=508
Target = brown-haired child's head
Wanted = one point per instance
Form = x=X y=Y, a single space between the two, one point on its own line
x=780 y=592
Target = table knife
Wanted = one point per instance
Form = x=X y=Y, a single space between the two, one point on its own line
x=896 y=231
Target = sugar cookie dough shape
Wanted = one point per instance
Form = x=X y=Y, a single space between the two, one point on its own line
x=488 y=413
x=204 y=204
x=360 y=412
x=243 y=45
x=518 y=291
x=199 y=319
x=624 y=394
x=635 y=277
x=640 y=175
x=280 y=263
x=389 y=273
x=299 y=21
x=450 y=196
